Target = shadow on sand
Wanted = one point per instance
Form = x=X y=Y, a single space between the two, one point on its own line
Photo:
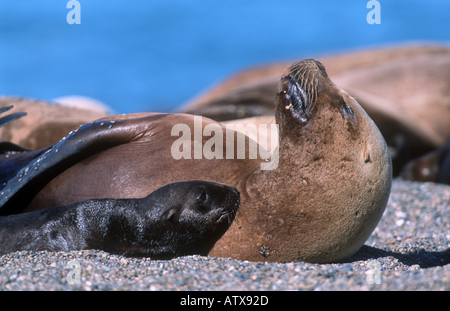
x=422 y=258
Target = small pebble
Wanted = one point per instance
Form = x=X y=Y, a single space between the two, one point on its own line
x=410 y=255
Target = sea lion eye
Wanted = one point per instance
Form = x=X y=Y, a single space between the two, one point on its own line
x=171 y=214
x=202 y=197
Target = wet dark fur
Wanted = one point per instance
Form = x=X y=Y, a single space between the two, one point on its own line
x=182 y=218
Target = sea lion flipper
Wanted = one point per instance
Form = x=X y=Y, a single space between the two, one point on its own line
x=7 y=146
x=9 y=118
x=4 y=109
x=32 y=171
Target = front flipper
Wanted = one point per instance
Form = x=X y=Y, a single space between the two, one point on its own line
x=30 y=172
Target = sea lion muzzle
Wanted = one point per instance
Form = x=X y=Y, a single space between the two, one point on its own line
x=301 y=87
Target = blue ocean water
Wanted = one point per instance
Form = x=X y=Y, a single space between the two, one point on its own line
x=155 y=55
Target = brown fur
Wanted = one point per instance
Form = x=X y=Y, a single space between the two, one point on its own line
x=45 y=123
x=321 y=203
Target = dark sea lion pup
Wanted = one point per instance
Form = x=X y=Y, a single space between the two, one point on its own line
x=178 y=219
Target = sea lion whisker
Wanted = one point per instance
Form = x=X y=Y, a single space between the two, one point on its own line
x=295 y=67
x=303 y=75
x=307 y=82
x=315 y=93
x=308 y=87
x=312 y=91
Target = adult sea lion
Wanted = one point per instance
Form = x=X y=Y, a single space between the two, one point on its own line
x=178 y=219
x=433 y=166
x=84 y=103
x=319 y=204
x=415 y=88
x=249 y=93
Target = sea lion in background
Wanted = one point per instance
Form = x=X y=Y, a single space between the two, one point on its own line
x=416 y=87
x=412 y=92
x=45 y=124
x=255 y=86
x=320 y=204
x=403 y=89
x=183 y=218
x=84 y=103
x=433 y=166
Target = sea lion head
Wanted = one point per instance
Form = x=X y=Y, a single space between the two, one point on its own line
x=334 y=169
x=205 y=206
x=187 y=218
x=305 y=90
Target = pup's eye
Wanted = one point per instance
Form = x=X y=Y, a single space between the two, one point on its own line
x=171 y=214
x=202 y=197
